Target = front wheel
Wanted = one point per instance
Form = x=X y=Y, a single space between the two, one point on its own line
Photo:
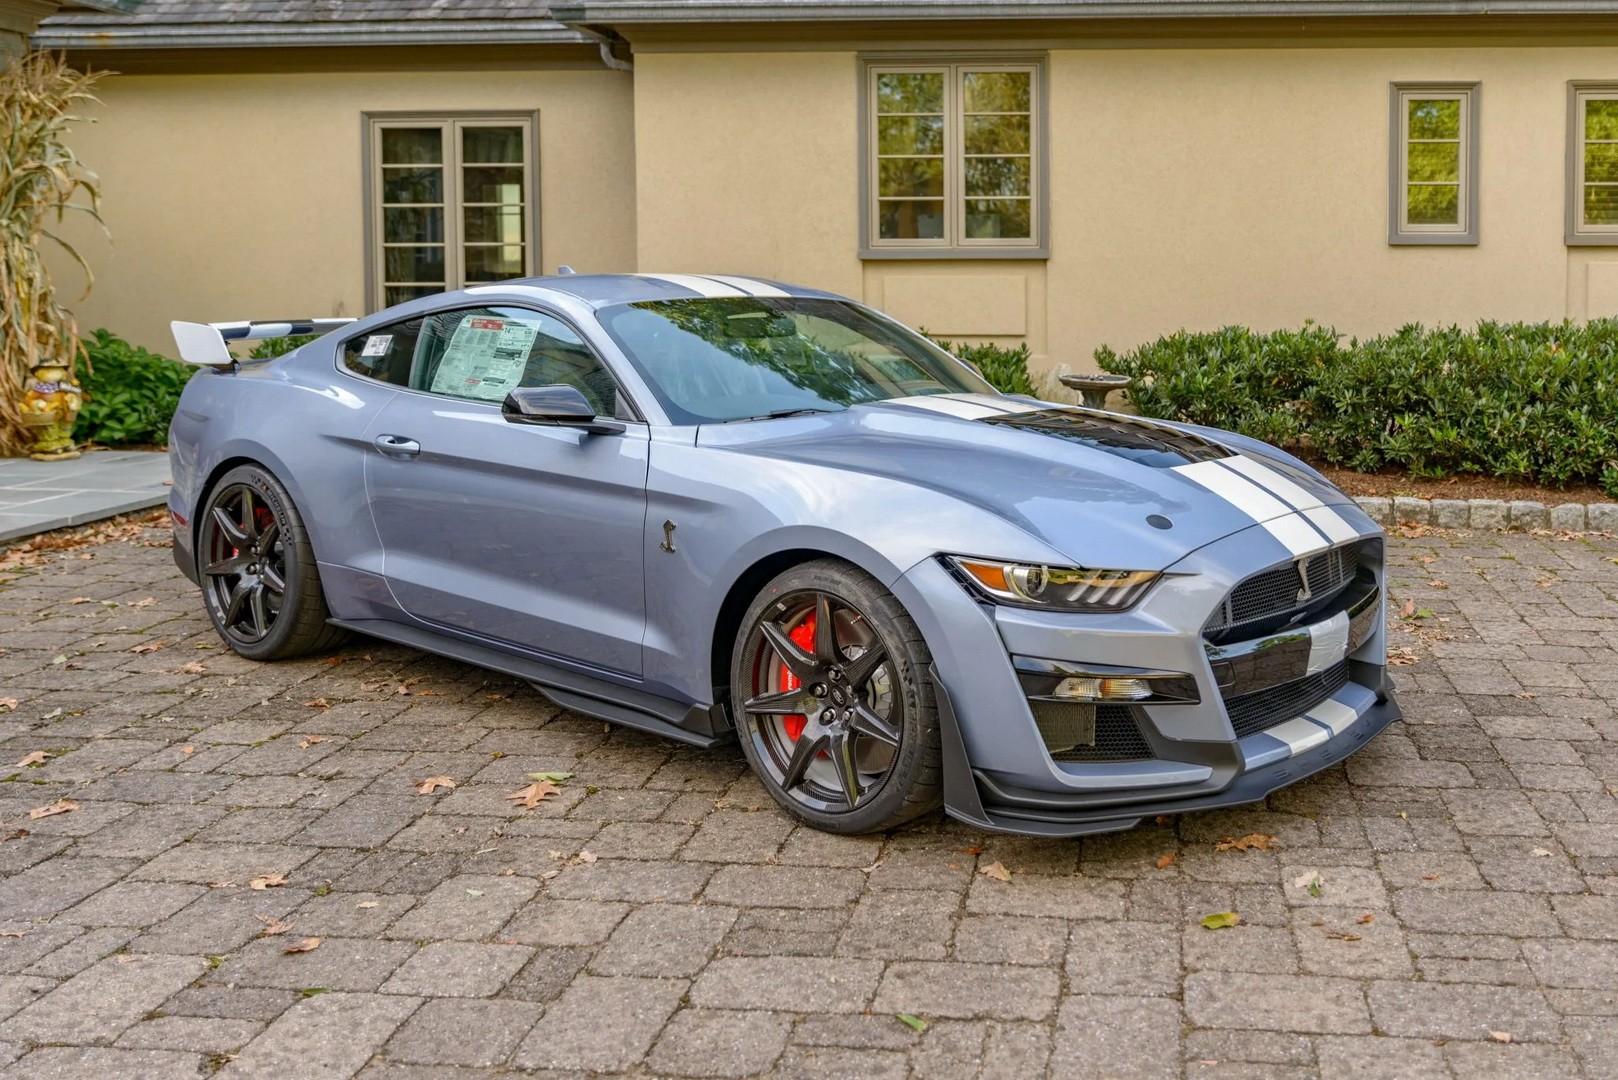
x=259 y=580
x=833 y=705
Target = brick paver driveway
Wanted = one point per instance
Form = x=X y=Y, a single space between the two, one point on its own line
x=1446 y=905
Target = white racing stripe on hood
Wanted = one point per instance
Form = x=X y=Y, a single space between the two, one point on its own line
x=700 y=285
x=1323 y=517
x=747 y=285
x=1278 y=519
x=963 y=406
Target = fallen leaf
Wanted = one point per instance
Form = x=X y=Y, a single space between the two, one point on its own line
x=368 y=904
x=1407 y=609
x=60 y=806
x=1366 y=919
x=148 y=602
x=317 y=703
x=1255 y=841
x=996 y=871
x=82 y=600
x=588 y=856
x=267 y=881
x=433 y=783
x=38 y=757
x=190 y=667
x=975 y=850
x=13 y=933
x=534 y=794
x=1540 y=853
x=148 y=647
x=1399 y=656
x=1429 y=877
x=1309 y=881
x=1339 y=935
x=272 y=927
x=1220 y=920
x=8 y=703
x=1438 y=583
x=1500 y=1036
x=309 y=740
x=308 y=944
x=914 y=1023
x=552 y=777
x=188 y=750
x=1166 y=860
x=15 y=834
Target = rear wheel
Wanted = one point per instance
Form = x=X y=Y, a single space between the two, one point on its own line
x=832 y=701
x=260 y=583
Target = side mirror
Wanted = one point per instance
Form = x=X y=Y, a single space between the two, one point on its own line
x=555 y=406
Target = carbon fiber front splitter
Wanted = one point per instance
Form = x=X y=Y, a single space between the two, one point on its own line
x=974 y=797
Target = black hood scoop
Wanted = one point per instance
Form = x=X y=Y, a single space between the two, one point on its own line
x=1140 y=441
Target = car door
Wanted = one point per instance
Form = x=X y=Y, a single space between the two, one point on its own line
x=527 y=535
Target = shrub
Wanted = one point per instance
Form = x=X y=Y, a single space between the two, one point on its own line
x=1005 y=369
x=129 y=394
x=270 y=348
x=1523 y=401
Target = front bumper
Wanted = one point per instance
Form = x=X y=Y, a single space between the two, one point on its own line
x=1000 y=773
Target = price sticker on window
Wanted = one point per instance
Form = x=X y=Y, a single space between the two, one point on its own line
x=377 y=345
x=485 y=358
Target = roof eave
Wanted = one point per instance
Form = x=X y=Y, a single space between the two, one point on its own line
x=92 y=35
x=628 y=12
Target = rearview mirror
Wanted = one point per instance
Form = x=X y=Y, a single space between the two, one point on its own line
x=555 y=406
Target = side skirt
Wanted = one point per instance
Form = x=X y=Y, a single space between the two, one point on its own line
x=696 y=725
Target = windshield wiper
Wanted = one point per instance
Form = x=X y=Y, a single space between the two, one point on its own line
x=780 y=414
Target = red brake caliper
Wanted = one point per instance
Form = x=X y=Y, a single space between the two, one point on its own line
x=803 y=636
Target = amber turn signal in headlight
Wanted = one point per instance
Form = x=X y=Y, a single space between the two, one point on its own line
x=1059 y=588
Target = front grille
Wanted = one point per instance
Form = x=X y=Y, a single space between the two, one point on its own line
x=1277 y=704
x=1276 y=592
x=1117 y=734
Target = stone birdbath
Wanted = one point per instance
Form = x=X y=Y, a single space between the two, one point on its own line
x=1095 y=388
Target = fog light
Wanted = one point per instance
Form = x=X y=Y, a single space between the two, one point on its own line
x=1086 y=688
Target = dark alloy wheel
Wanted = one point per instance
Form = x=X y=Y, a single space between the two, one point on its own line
x=260 y=582
x=244 y=564
x=829 y=707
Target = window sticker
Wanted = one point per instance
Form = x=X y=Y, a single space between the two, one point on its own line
x=377 y=345
x=485 y=358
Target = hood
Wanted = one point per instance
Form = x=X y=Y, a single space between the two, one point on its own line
x=1105 y=489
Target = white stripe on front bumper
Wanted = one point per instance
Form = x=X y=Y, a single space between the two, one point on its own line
x=1334 y=714
x=1328 y=642
x=1299 y=734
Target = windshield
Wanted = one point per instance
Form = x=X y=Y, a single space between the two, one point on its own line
x=747 y=357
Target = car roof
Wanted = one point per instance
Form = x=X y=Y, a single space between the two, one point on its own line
x=600 y=290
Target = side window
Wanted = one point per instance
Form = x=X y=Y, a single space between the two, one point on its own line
x=482 y=354
x=385 y=354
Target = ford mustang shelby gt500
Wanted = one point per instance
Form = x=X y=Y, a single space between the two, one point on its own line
x=713 y=506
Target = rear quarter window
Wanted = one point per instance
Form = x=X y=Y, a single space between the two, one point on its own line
x=384 y=354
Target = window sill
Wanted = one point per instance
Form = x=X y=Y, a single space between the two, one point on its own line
x=1591 y=239
x=1031 y=254
x=1433 y=239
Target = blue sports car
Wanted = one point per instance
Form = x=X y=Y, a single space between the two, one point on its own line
x=717 y=507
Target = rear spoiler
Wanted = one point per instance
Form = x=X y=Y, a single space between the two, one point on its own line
x=208 y=344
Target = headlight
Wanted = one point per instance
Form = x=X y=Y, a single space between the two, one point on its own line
x=1056 y=588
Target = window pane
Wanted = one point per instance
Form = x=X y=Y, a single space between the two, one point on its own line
x=499 y=144
x=490 y=184
x=910 y=134
x=911 y=176
x=412 y=185
x=494 y=224
x=386 y=354
x=1435 y=161
x=911 y=219
x=1601 y=118
x=1600 y=205
x=413 y=264
x=995 y=91
x=398 y=294
x=1007 y=218
x=1601 y=161
x=997 y=134
x=494 y=263
x=1434 y=118
x=412 y=146
x=1437 y=204
x=997 y=176
x=910 y=92
x=408 y=225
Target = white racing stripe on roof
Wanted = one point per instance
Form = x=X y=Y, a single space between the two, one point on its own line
x=1299 y=734
x=700 y=285
x=747 y=285
x=1278 y=519
x=949 y=405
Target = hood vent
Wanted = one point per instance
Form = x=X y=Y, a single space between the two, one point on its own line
x=1139 y=441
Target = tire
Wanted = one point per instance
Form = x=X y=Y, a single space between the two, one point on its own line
x=870 y=727
x=249 y=538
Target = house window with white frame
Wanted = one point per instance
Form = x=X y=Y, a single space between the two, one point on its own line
x=1592 y=198
x=450 y=202
x=1433 y=182
x=953 y=159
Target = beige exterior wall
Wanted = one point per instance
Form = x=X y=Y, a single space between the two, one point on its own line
x=234 y=196
x=1190 y=187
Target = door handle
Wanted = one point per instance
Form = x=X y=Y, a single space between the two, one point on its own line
x=397 y=446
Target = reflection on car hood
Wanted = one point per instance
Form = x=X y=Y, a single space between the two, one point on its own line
x=1099 y=487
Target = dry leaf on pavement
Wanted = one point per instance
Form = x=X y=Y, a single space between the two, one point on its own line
x=309 y=740
x=996 y=871
x=1500 y=1036
x=433 y=783
x=1221 y=920
x=38 y=757
x=267 y=881
x=8 y=703
x=534 y=794
x=1253 y=841
x=308 y=944
x=148 y=647
x=317 y=703
x=272 y=927
x=60 y=806
x=1166 y=860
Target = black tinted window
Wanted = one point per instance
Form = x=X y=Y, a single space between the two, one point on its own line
x=385 y=355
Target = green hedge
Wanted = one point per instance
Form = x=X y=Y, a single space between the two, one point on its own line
x=1522 y=401
x=1005 y=369
x=129 y=394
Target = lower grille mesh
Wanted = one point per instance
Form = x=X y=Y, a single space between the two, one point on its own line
x=1265 y=708
x=1118 y=736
